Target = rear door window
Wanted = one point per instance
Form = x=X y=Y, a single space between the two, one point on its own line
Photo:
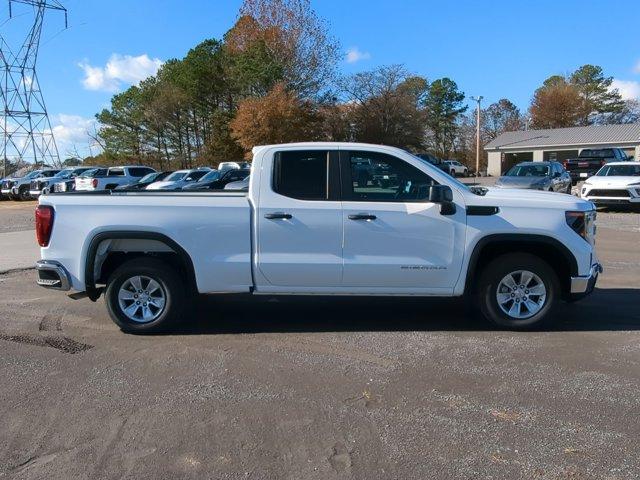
x=302 y=174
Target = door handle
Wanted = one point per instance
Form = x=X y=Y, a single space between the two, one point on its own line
x=362 y=216
x=278 y=216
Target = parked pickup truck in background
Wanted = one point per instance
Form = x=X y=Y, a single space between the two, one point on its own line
x=112 y=178
x=307 y=226
x=590 y=160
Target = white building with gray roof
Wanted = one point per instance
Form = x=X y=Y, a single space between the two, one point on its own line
x=558 y=144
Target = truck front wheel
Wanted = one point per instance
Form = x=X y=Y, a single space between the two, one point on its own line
x=145 y=295
x=518 y=291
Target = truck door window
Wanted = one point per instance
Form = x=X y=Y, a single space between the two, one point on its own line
x=378 y=177
x=301 y=174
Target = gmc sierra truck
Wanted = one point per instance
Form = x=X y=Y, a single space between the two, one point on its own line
x=310 y=225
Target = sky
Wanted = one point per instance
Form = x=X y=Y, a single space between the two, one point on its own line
x=496 y=49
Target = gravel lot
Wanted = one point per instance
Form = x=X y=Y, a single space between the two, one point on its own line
x=16 y=216
x=316 y=388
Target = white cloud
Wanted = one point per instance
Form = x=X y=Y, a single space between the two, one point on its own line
x=120 y=69
x=355 y=55
x=71 y=133
x=629 y=89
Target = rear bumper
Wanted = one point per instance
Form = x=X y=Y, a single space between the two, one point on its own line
x=583 y=285
x=52 y=274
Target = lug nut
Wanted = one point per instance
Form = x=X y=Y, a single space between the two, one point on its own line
x=137 y=303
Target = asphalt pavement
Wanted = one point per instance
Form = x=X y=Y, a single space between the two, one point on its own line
x=324 y=388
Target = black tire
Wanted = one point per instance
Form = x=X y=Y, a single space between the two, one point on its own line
x=172 y=287
x=499 y=268
x=23 y=193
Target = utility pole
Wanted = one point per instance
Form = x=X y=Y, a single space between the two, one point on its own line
x=478 y=99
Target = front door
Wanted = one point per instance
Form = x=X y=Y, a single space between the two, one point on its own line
x=299 y=221
x=394 y=238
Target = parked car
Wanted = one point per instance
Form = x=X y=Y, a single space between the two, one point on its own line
x=145 y=181
x=456 y=168
x=64 y=177
x=617 y=183
x=221 y=180
x=65 y=181
x=549 y=176
x=433 y=160
x=590 y=160
x=18 y=188
x=305 y=228
x=44 y=185
x=111 y=178
x=179 y=179
x=238 y=185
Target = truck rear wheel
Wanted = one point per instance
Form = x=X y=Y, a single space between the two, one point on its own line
x=145 y=295
x=518 y=291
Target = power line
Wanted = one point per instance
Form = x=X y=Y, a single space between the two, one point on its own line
x=24 y=123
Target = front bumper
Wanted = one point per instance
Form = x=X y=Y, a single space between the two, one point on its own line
x=35 y=193
x=584 y=285
x=52 y=274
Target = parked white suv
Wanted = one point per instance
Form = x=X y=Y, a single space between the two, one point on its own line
x=112 y=178
x=456 y=168
x=309 y=225
x=617 y=183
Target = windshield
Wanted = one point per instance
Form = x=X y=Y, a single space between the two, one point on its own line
x=175 y=176
x=210 y=176
x=91 y=173
x=148 y=177
x=528 y=171
x=619 y=171
x=34 y=174
x=63 y=174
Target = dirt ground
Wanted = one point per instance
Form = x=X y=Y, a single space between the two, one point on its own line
x=317 y=388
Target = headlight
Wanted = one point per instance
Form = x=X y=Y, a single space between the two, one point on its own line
x=583 y=223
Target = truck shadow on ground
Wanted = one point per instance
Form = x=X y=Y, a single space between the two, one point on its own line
x=605 y=310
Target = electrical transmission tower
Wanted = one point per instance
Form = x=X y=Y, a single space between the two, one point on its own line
x=24 y=124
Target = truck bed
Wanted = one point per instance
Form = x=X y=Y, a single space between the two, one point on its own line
x=213 y=227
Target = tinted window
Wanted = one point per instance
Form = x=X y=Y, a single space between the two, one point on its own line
x=115 y=172
x=378 y=177
x=604 y=153
x=139 y=171
x=301 y=174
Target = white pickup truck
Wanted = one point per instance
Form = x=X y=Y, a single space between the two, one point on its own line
x=315 y=222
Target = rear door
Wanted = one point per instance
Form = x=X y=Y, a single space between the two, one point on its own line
x=395 y=240
x=299 y=221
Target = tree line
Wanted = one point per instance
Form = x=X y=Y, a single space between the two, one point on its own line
x=272 y=78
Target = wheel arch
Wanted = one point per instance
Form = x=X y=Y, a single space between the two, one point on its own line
x=137 y=243
x=559 y=257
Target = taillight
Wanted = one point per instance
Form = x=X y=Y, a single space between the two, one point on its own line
x=44 y=224
x=94 y=182
x=564 y=164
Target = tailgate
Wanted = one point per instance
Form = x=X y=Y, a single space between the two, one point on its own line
x=84 y=183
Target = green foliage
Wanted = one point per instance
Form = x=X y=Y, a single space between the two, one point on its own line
x=444 y=104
